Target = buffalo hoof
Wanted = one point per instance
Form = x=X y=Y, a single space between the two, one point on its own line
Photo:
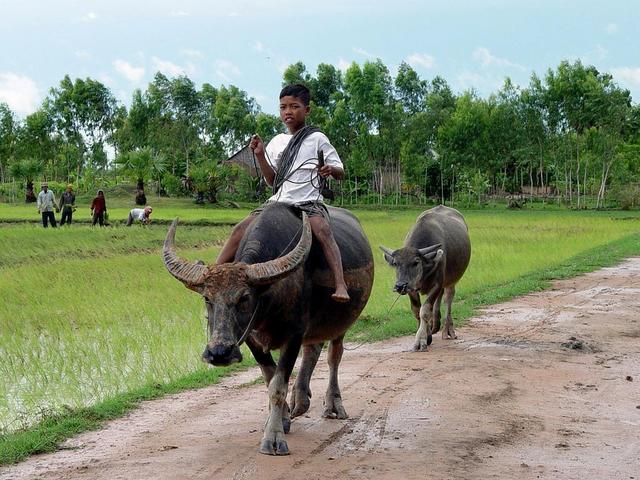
x=334 y=409
x=422 y=344
x=300 y=403
x=449 y=333
x=270 y=447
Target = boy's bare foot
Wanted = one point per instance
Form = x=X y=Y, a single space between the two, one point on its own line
x=341 y=295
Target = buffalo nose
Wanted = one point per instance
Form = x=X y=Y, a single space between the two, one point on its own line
x=401 y=288
x=220 y=354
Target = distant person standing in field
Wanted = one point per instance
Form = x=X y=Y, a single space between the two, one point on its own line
x=142 y=215
x=67 y=205
x=99 y=208
x=46 y=203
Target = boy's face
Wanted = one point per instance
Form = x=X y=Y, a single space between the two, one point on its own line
x=293 y=113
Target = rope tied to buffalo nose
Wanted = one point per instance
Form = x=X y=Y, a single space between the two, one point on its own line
x=380 y=325
x=247 y=330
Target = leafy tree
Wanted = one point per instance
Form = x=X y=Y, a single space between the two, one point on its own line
x=411 y=91
x=83 y=114
x=7 y=138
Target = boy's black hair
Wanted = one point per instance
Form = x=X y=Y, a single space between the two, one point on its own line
x=297 y=90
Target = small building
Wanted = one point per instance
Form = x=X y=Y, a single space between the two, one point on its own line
x=245 y=159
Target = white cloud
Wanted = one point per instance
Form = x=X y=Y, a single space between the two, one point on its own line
x=128 y=71
x=192 y=53
x=170 y=68
x=421 y=59
x=627 y=75
x=107 y=80
x=258 y=46
x=483 y=84
x=364 y=53
x=343 y=65
x=178 y=13
x=234 y=14
x=487 y=59
x=90 y=17
x=612 y=28
x=226 y=69
x=19 y=92
x=82 y=54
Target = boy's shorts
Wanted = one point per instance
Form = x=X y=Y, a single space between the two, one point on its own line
x=312 y=209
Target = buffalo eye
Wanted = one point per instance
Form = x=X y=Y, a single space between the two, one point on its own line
x=243 y=301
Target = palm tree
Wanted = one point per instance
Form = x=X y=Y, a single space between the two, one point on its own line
x=140 y=165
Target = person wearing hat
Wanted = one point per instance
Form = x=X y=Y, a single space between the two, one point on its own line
x=143 y=215
x=67 y=205
x=46 y=202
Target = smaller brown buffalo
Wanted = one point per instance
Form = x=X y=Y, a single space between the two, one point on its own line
x=435 y=255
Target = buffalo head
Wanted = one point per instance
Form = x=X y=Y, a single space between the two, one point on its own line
x=413 y=265
x=231 y=291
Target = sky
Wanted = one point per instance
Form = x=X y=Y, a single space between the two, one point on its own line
x=249 y=43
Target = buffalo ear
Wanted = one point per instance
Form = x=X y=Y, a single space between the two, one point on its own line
x=434 y=257
x=388 y=255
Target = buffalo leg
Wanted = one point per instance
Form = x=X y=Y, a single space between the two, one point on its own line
x=423 y=335
x=414 y=297
x=448 y=331
x=265 y=360
x=273 y=442
x=435 y=327
x=268 y=368
x=301 y=394
x=333 y=400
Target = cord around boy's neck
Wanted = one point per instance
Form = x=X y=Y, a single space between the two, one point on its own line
x=289 y=155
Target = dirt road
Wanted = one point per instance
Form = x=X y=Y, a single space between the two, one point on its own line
x=545 y=386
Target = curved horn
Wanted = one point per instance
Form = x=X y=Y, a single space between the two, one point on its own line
x=190 y=273
x=273 y=270
x=386 y=250
x=424 y=251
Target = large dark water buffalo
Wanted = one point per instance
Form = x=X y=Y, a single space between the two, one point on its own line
x=277 y=295
x=435 y=255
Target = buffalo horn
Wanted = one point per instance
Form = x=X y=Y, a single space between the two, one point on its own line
x=424 y=251
x=273 y=270
x=191 y=273
x=386 y=250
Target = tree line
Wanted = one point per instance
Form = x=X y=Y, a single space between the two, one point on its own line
x=573 y=134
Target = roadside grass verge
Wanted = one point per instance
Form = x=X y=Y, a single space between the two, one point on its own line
x=47 y=435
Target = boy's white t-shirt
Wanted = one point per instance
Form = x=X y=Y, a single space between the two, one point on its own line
x=298 y=188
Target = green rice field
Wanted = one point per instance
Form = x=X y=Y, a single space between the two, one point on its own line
x=87 y=314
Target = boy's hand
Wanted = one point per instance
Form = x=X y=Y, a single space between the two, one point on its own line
x=325 y=171
x=256 y=144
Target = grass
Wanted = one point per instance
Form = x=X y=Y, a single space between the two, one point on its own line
x=164 y=210
x=89 y=315
x=507 y=247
